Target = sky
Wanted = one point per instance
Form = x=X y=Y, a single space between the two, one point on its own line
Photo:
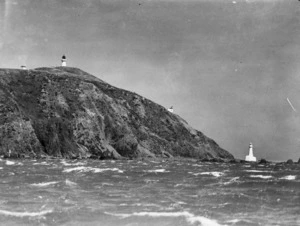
x=226 y=66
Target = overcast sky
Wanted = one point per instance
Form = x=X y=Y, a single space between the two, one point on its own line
x=226 y=66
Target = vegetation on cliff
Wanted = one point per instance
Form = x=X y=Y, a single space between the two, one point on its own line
x=66 y=112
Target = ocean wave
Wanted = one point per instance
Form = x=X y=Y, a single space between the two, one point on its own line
x=149 y=181
x=289 y=177
x=41 y=163
x=197 y=165
x=10 y=162
x=44 y=184
x=241 y=222
x=215 y=174
x=72 y=164
x=107 y=184
x=232 y=180
x=157 y=171
x=261 y=176
x=70 y=183
x=25 y=214
x=190 y=218
x=91 y=169
x=256 y=171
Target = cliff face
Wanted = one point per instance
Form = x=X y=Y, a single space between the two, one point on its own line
x=66 y=112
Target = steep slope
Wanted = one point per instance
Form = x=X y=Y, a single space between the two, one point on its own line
x=66 y=112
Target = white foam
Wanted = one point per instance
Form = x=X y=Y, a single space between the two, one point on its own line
x=232 y=180
x=91 y=169
x=25 y=214
x=215 y=174
x=70 y=183
x=289 y=177
x=107 y=184
x=255 y=171
x=191 y=218
x=234 y=221
x=1 y=167
x=197 y=165
x=97 y=170
x=157 y=171
x=261 y=176
x=73 y=164
x=148 y=181
x=41 y=163
x=44 y=184
x=81 y=168
x=10 y=162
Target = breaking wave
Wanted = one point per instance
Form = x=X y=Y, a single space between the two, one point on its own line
x=72 y=164
x=25 y=214
x=190 y=218
x=45 y=184
x=70 y=183
x=10 y=162
x=41 y=163
x=289 y=177
x=261 y=176
x=215 y=174
x=91 y=169
x=232 y=180
x=256 y=171
x=157 y=171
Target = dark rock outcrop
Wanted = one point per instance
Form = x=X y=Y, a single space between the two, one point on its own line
x=290 y=161
x=66 y=112
x=263 y=161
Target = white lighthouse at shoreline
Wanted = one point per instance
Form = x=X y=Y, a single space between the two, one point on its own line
x=250 y=157
x=63 y=61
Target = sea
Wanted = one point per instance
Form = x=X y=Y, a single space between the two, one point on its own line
x=149 y=192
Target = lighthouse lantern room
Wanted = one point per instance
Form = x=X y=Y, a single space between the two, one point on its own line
x=63 y=61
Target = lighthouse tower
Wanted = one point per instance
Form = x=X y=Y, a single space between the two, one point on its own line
x=63 y=61
x=250 y=157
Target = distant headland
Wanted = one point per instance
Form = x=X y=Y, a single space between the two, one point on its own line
x=64 y=112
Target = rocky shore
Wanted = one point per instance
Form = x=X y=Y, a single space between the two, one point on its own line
x=64 y=112
x=264 y=162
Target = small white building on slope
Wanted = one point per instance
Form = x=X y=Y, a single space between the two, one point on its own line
x=250 y=157
x=171 y=109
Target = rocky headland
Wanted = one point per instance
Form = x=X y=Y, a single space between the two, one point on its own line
x=65 y=112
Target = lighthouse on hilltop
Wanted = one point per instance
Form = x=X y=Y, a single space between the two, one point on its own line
x=63 y=61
